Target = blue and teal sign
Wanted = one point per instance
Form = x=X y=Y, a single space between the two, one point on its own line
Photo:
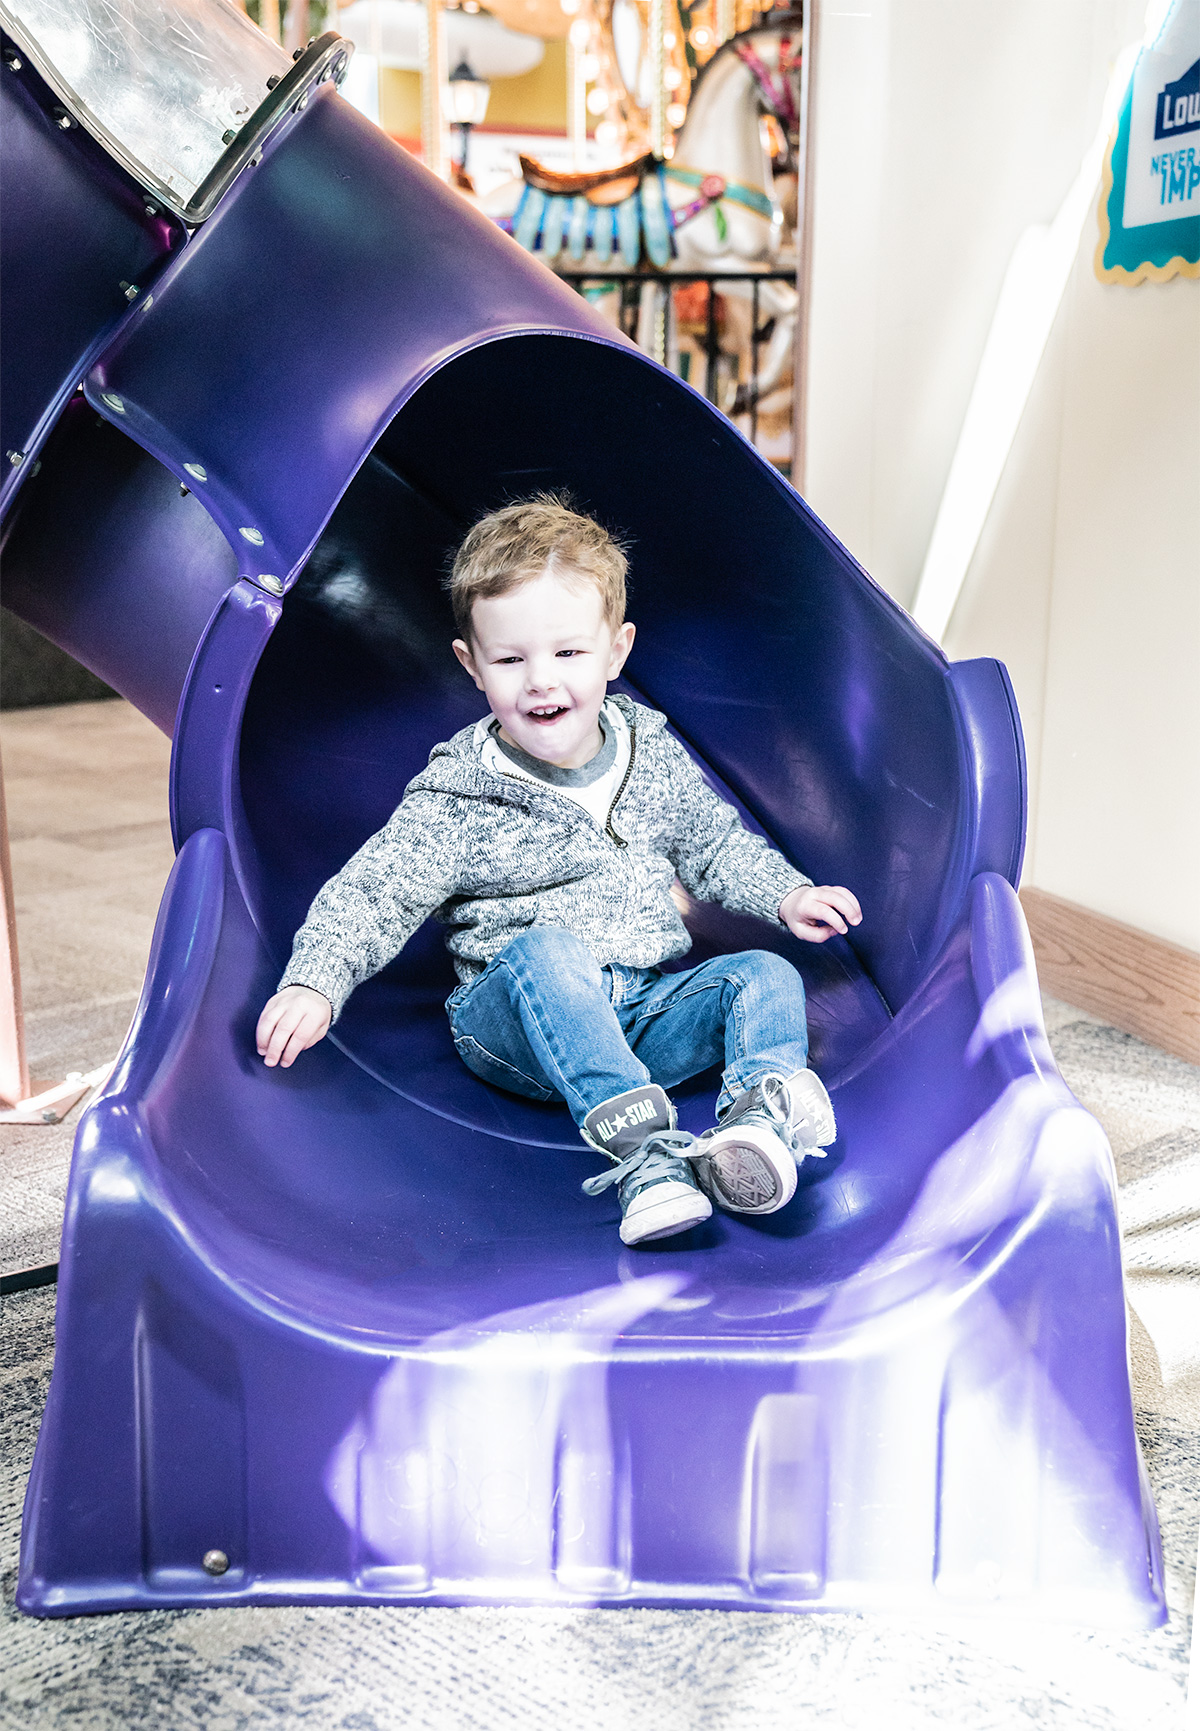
x=1150 y=199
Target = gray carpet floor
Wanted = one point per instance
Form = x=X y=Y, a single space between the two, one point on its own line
x=86 y=788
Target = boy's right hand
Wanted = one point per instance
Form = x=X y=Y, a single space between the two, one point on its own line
x=292 y=1020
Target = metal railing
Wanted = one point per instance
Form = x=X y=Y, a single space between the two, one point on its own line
x=646 y=314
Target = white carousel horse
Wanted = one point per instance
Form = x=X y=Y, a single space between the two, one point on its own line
x=712 y=207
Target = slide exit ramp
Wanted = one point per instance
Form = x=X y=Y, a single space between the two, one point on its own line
x=349 y=1333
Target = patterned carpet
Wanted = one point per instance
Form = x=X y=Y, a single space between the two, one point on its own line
x=481 y=1670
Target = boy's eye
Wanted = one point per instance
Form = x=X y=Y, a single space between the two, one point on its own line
x=506 y=660
x=570 y=652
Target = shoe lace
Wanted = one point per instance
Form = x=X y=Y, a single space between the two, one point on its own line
x=656 y=1157
x=775 y=1103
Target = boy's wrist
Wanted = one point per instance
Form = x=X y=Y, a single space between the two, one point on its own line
x=796 y=889
x=322 y=991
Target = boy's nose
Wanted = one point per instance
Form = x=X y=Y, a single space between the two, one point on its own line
x=541 y=678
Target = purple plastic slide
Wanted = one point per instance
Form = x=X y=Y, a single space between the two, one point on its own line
x=350 y=1333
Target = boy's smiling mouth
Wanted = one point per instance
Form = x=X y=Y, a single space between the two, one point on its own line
x=549 y=712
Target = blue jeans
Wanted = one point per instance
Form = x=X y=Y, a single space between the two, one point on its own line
x=546 y=1020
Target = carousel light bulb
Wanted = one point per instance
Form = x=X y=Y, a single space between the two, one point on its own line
x=672 y=78
x=597 y=102
x=700 y=36
x=607 y=132
x=669 y=40
x=590 y=68
x=676 y=114
x=580 y=33
x=570 y=7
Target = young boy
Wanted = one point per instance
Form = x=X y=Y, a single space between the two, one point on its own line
x=547 y=839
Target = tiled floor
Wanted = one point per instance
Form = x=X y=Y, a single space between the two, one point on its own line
x=86 y=788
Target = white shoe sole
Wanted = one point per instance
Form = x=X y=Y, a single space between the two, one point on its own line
x=664 y=1217
x=748 y=1171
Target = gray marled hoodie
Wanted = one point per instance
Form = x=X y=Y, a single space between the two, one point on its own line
x=490 y=855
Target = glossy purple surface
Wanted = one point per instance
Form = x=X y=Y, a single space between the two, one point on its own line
x=73 y=228
x=354 y=1323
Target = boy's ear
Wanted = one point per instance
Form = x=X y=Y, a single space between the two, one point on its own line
x=622 y=644
x=463 y=652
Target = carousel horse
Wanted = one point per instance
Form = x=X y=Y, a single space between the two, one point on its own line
x=711 y=207
x=712 y=203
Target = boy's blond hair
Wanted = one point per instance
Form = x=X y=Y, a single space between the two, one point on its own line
x=508 y=547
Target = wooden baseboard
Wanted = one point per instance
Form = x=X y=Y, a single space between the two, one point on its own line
x=1140 y=983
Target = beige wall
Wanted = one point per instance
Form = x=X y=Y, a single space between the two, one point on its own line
x=943 y=129
x=1086 y=580
x=1087 y=583
x=536 y=100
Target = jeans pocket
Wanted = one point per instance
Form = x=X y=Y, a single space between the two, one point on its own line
x=489 y=1068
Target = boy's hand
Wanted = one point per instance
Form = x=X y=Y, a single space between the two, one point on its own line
x=816 y=911
x=293 y=1019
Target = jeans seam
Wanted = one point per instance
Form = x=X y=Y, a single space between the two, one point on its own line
x=681 y=997
x=502 y=1063
x=739 y=1035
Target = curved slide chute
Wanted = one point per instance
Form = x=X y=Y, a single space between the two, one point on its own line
x=350 y=1332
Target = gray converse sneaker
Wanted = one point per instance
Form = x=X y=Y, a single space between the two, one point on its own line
x=748 y=1164
x=656 y=1183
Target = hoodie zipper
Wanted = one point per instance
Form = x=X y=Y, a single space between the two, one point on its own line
x=608 y=823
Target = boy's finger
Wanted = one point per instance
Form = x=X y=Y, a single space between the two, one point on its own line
x=844 y=900
x=307 y=1032
x=814 y=933
x=303 y=1036
x=267 y=1024
x=290 y=1053
x=828 y=914
x=281 y=1034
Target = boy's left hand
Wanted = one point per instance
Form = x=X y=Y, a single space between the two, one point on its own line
x=816 y=911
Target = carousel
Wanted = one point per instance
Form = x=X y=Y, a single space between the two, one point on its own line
x=672 y=197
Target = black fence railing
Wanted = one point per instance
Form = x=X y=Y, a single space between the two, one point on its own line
x=685 y=330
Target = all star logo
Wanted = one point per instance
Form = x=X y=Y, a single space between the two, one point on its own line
x=637 y=1112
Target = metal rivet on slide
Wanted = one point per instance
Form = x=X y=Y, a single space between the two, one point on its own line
x=196 y=470
x=16 y=458
x=147 y=303
x=254 y=536
x=114 y=402
x=216 y=1562
x=274 y=584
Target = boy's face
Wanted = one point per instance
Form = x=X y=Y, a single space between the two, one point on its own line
x=543 y=656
